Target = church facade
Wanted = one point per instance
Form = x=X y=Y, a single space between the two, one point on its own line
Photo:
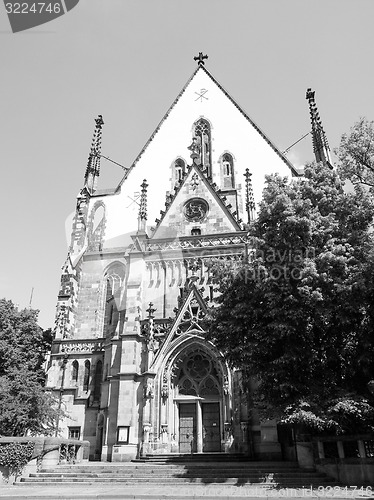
x=130 y=363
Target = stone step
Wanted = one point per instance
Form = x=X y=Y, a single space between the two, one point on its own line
x=206 y=457
x=270 y=474
x=187 y=473
x=270 y=466
x=161 y=470
x=290 y=483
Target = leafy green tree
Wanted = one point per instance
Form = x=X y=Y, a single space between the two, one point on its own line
x=356 y=154
x=297 y=316
x=25 y=408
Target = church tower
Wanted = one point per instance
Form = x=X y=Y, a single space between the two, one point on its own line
x=130 y=359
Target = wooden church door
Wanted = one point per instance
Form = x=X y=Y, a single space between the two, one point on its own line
x=187 y=428
x=211 y=427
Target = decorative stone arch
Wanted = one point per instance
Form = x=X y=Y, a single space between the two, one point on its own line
x=193 y=372
x=96 y=226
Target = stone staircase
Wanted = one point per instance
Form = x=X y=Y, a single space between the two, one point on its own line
x=213 y=469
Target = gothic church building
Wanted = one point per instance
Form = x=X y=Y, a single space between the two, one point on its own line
x=130 y=361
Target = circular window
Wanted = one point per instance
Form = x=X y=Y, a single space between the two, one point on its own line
x=195 y=210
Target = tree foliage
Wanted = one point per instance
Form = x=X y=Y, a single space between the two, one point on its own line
x=298 y=316
x=356 y=154
x=25 y=408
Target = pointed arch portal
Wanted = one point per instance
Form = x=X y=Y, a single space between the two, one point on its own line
x=197 y=405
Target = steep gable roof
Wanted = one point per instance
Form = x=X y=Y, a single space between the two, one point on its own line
x=256 y=127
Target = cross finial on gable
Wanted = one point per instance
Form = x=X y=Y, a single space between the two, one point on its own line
x=200 y=59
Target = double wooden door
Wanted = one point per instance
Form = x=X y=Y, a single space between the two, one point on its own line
x=209 y=431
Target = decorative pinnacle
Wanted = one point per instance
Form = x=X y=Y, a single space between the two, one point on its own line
x=143 y=207
x=320 y=144
x=249 y=199
x=143 y=200
x=93 y=164
x=200 y=59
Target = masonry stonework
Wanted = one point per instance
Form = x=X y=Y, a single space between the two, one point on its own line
x=130 y=360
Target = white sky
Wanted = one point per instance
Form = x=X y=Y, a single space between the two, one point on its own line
x=127 y=60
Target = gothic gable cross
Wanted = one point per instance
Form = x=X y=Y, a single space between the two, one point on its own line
x=200 y=59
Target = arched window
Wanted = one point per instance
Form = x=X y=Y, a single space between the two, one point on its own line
x=179 y=169
x=96 y=227
x=227 y=171
x=203 y=135
x=74 y=372
x=86 y=380
x=114 y=282
x=98 y=378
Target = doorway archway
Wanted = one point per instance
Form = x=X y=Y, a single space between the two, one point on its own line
x=199 y=403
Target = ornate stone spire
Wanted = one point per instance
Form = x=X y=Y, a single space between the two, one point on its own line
x=249 y=199
x=320 y=144
x=93 y=164
x=142 y=218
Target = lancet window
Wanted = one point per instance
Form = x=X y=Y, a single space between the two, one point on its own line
x=86 y=379
x=114 y=283
x=204 y=141
x=179 y=169
x=96 y=227
x=75 y=372
x=227 y=171
x=98 y=378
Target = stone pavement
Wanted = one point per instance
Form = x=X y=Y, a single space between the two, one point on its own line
x=179 y=492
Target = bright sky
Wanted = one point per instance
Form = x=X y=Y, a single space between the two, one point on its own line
x=127 y=60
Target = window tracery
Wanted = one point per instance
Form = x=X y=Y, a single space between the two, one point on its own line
x=198 y=376
x=202 y=133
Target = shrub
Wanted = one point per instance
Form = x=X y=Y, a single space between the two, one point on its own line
x=15 y=456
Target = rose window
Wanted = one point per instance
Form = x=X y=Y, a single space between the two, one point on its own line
x=198 y=377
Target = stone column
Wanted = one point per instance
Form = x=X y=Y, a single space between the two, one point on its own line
x=199 y=427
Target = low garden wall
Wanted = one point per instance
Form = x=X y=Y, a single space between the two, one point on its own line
x=25 y=455
x=348 y=459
